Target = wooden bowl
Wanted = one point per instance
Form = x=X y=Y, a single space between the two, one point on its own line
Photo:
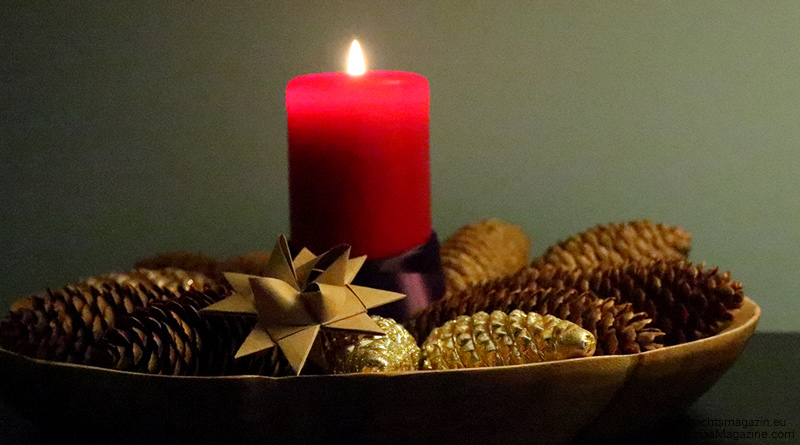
x=589 y=398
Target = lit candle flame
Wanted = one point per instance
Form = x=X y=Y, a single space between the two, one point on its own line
x=355 y=62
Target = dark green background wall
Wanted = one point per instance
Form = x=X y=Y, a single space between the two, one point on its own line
x=132 y=128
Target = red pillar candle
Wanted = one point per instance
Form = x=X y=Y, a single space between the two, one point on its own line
x=359 y=168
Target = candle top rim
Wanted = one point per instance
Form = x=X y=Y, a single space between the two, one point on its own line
x=344 y=77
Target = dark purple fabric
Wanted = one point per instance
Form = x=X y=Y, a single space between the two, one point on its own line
x=416 y=272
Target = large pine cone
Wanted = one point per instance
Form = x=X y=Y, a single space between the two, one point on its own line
x=61 y=324
x=685 y=300
x=481 y=251
x=174 y=338
x=618 y=328
x=182 y=260
x=251 y=263
x=500 y=339
x=613 y=245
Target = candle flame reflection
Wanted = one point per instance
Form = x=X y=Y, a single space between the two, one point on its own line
x=355 y=62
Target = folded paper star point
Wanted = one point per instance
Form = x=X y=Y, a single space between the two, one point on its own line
x=297 y=297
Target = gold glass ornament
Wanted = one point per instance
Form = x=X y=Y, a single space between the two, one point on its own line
x=351 y=352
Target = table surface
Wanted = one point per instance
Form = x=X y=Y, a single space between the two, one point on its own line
x=756 y=401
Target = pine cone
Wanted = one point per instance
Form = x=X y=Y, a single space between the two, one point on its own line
x=170 y=279
x=483 y=250
x=61 y=324
x=352 y=352
x=500 y=339
x=188 y=261
x=174 y=338
x=251 y=263
x=616 y=326
x=684 y=300
x=612 y=245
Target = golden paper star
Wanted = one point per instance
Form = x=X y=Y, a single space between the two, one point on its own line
x=299 y=296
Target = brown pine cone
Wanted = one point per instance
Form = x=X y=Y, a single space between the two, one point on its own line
x=686 y=301
x=481 y=251
x=251 y=263
x=612 y=245
x=174 y=338
x=189 y=261
x=617 y=327
x=171 y=279
x=61 y=324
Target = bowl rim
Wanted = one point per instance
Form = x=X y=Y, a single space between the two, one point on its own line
x=736 y=327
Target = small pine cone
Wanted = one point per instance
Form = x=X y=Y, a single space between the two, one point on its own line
x=169 y=279
x=499 y=339
x=616 y=326
x=174 y=338
x=61 y=324
x=481 y=251
x=352 y=352
x=612 y=245
x=684 y=300
x=251 y=263
x=188 y=261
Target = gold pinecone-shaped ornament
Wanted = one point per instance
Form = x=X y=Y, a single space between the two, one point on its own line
x=617 y=327
x=498 y=339
x=613 y=245
x=686 y=301
x=483 y=250
x=61 y=324
x=174 y=338
x=351 y=352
